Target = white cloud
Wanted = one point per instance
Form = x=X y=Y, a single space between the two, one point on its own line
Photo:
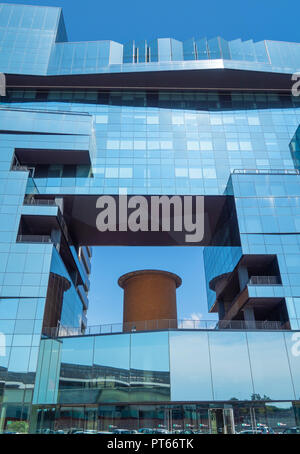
x=191 y=322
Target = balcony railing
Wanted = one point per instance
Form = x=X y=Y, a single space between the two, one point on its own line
x=264 y=280
x=39 y=202
x=34 y=239
x=20 y=168
x=267 y=171
x=156 y=325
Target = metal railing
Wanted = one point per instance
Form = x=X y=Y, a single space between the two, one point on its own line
x=264 y=280
x=31 y=201
x=34 y=239
x=49 y=111
x=31 y=187
x=267 y=171
x=156 y=325
x=20 y=168
x=39 y=202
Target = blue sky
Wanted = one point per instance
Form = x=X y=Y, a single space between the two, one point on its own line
x=109 y=263
x=135 y=19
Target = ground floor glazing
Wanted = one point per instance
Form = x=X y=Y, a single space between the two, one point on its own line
x=203 y=418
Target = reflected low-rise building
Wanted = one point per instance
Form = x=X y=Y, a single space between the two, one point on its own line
x=205 y=117
x=179 y=378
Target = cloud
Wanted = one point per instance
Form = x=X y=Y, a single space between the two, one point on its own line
x=191 y=322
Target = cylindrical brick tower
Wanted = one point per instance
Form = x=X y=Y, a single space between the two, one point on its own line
x=149 y=300
x=57 y=286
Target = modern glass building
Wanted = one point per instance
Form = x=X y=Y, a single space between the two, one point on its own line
x=205 y=117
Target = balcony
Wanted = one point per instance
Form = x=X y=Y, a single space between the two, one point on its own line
x=30 y=201
x=34 y=239
x=264 y=280
x=266 y=171
x=49 y=226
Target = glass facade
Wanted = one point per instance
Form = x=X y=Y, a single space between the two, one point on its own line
x=195 y=365
x=253 y=374
x=62 y=145
x=179 y=418
x=166 y=143
x=24 y=29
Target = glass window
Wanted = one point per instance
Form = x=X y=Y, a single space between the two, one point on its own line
x=19 y=359
x=27 y=308
x=101 y=118
x=293 y=349
x=149 y=366
x=269 y=365
x=190 y=366
x=195 y=173
x=8 y=308
x=111 y=367
x=231 y=374
x=24 y=326
x=78 y=351
x=112 y=351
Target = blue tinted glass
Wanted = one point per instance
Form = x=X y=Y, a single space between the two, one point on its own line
x=190 y=366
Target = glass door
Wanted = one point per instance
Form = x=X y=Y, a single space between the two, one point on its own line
x=221 y=421
x=168 y=420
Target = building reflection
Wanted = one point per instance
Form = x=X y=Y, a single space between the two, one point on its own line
x=193 y=418
x=111 y=384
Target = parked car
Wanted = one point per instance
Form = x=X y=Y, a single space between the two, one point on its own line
x=47 y=431
x=85 y=432
x=267 y=430
x=73 y=431
x=292 y=430
x=160 y=431
x=261 y=430
x=145 y=430
x=250 y=431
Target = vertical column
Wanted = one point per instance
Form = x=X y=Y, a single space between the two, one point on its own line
x=243 y=277
x=249 y=317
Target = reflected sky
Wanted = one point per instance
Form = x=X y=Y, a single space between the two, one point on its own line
x=190 y=367
x=231 y=372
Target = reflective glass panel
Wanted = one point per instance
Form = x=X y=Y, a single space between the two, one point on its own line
x=190 y=366
x=269 y=365
x=111 y=367
x=149 y=367
x=230 y=365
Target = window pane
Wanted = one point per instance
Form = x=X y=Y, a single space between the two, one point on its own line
x=231 y=373
x=190 y=367
x=269 y=365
